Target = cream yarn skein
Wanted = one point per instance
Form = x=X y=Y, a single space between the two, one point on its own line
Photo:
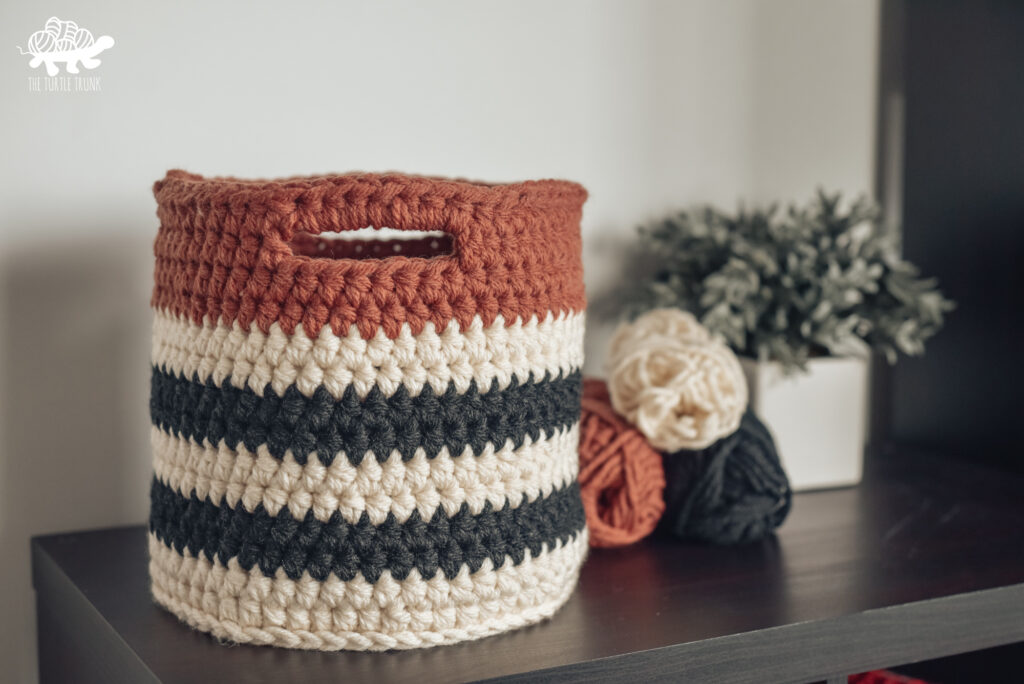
x=676 y=382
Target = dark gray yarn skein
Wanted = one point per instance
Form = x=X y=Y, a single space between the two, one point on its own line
x=734 y=491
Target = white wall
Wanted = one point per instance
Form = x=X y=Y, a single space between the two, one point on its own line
x=651 y=105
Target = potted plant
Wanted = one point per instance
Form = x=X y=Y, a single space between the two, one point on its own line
x=803 y=296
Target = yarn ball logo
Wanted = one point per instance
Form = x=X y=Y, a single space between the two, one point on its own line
x=64 y=42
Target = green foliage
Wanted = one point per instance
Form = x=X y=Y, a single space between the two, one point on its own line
x=787 y=286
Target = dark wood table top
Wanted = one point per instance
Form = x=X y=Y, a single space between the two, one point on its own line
x=924 y=559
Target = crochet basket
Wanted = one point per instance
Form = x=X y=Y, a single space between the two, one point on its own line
x=365 y=444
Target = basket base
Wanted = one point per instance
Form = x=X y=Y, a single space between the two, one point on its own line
x=246 y=607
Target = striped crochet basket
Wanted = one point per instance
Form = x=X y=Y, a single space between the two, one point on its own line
x=368 y=444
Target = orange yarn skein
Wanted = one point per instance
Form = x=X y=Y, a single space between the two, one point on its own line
x=621 y=476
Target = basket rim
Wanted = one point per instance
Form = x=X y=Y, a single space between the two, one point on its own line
x=179 y=184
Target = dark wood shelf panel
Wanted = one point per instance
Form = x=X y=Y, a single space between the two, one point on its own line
x=924 y=559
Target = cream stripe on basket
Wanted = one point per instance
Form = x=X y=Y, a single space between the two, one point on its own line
x=395 y=486
x=249 y=607
x=483 y=353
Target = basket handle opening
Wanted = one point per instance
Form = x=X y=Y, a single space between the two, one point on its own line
x=372 y=243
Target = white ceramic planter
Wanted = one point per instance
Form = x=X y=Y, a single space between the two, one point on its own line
x=818 y=419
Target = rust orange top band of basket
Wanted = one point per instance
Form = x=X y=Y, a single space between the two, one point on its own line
x=225 y=252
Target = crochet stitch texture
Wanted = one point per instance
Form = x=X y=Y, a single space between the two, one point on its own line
x=365 y=444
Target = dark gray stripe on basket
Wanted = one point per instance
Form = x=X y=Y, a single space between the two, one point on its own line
x=201 y=410
x=443 y=542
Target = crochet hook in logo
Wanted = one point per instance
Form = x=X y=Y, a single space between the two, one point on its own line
x=64 y=43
